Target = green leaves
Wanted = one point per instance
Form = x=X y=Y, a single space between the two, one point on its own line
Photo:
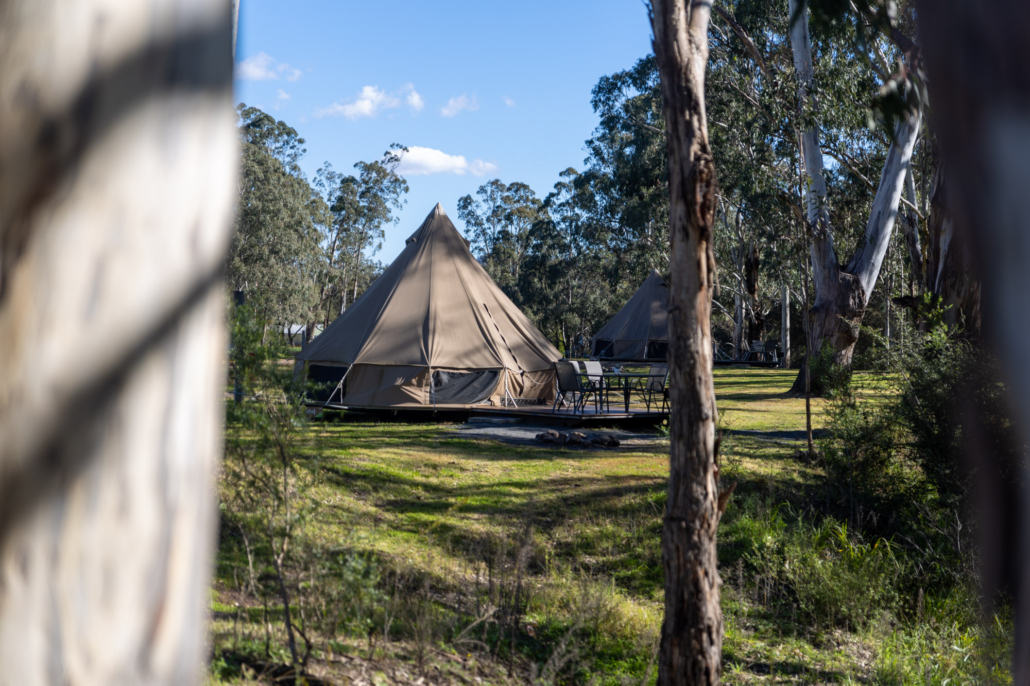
x=275 y=250
x=498 y=226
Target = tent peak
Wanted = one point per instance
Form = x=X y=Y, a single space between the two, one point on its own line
x=438 y=210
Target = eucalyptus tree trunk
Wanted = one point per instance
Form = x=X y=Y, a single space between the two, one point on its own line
x=910 y=227
x=978 y=67
x=756 y=318
x=117 y=178
x=841 y=294
x=235 y=14
x=946 y=270
x=949 y=273
x=692 y=630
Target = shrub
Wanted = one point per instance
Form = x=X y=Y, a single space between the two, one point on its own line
x=823 y=574
x=898 y=466
x=867 y=465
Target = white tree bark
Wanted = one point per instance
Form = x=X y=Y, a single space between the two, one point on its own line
x=866 y=263
x=824 y=257
x=910 y=225
x=235 y=24
x=842 y=295
x=117 y=175
x=738 y=326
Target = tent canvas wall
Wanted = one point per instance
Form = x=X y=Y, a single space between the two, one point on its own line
x=434 y=329
x=640 y=330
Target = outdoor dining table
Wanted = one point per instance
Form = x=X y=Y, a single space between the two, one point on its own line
x=622 y=380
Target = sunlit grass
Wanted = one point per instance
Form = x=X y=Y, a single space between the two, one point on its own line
x=423 y=501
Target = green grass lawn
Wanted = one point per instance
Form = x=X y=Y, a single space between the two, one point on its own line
x=450 y=520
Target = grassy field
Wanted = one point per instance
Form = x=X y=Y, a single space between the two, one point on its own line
x=438 y=531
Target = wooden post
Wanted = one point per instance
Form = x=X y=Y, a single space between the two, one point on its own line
x=738 y=327
x=118 y=163
x=785 y=326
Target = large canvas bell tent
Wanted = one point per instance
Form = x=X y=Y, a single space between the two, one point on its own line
x=640 y=330
x=433 y=330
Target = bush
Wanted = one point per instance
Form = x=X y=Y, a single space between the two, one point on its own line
x=940 y=652
x=828 y=377
x=951 y=385
x=820 y=574
x=868 y=467
x=898 y=466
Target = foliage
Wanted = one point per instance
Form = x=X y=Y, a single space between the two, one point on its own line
x=266 y=503
x=941 y=651
x=901 y=465
x=820 y=573
x=275 y=251
x=361 y=207
x=498 y=227
x=301 y=251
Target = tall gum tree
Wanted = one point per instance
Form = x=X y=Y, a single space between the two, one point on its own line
x=117 y=176
x=842 y=292
x=692 y=630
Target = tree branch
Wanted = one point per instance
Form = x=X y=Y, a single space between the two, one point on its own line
x=908 y=46
x=744 y=38
x=845 y=160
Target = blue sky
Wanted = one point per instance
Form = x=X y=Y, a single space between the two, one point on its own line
x=477 y=90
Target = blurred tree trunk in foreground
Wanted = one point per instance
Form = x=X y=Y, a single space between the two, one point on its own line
x=117 y=174
x=692 y=632
x=978 y=61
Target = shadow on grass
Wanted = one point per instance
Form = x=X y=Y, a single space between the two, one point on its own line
x=753 y=397
x=787 y=668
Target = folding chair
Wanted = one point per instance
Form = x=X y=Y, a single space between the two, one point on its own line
x=656 y=377
x=569 y=385
x=595 y=379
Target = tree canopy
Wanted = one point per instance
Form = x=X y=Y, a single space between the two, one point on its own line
x=302 y=250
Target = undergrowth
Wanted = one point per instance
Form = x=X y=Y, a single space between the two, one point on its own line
x=418 y=555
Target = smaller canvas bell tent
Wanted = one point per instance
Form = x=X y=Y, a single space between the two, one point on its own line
x=433 y=330
x=640 y=330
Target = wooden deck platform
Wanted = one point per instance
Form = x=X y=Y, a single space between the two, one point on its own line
x=536 y=414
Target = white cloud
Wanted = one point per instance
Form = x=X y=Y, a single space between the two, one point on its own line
x=282 y=95
x=412 y=98
x=459 y=103
x=508 y=101
x=371 y=101
x=263 y=67
x=424 y=161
